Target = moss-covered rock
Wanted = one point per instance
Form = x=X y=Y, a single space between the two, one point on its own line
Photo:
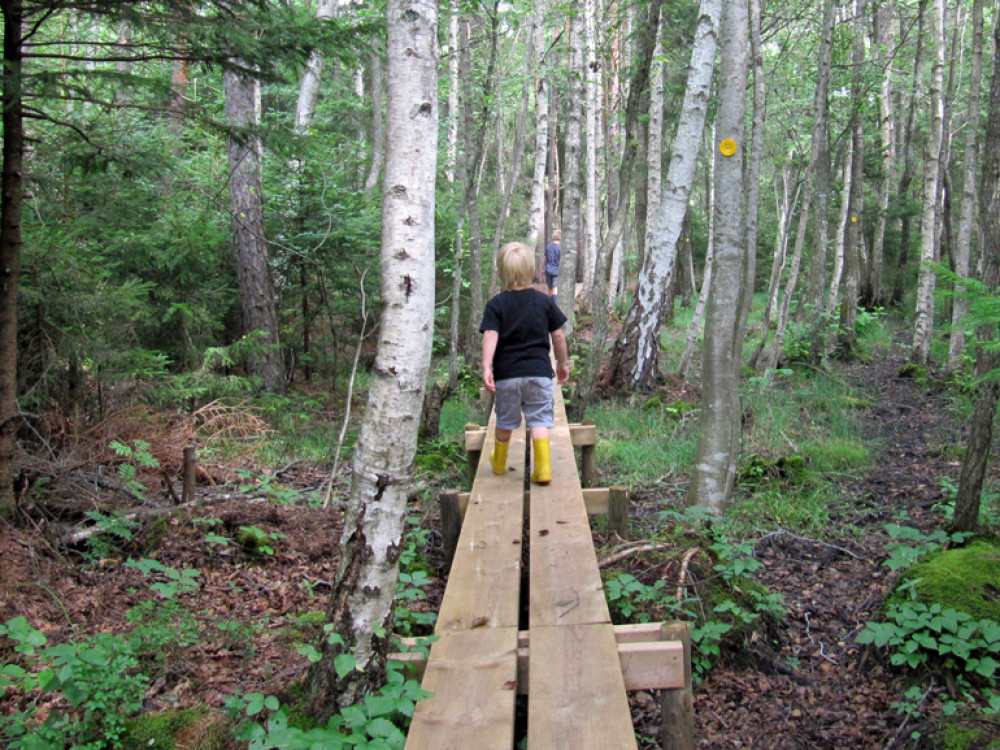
x=157 y=730
x=966 y=579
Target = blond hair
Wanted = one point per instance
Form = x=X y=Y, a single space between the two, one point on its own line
x=557 y=236
x=516 y=265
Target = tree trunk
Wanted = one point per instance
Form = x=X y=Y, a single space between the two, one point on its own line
x=257 y=301
x=477 y=158
x=309 y=88
x=872 y=293
x=536 y=206
x=646 y=34
x=378 y=125
x=571 y=199
x=719 y=434
x=11 y=204
x=847 y=329
x=956 y=345
x=590 y=249
x=636 y=354
x=454 y=84
x=977 y=455
x=361 y=604
x=654 y=143
x=924 y=324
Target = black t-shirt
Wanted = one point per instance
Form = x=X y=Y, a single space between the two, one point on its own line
x=523 y=318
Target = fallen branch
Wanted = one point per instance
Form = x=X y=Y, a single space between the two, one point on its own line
x=784 y=532
x=684 y=569
x=619 y=556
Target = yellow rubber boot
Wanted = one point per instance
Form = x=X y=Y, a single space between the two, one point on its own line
x=498 y=457
x=543 y=461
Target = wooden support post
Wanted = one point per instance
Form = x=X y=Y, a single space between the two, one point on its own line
x=588 y=462
x=189 y=475
x=677 y=706
x=451 y=524
x=618 y=511
x=473 y=455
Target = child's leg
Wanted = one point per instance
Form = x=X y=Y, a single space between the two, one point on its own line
x=503 y=436
x=539 y=415
x=508 y=411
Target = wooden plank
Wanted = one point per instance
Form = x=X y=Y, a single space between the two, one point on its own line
x=565 y=583
x=473 y=675
x=645 y=665
x=485 y=581
x=577 y=697
x=597 y=500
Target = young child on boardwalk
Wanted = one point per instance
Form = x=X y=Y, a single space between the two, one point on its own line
x=516 y=327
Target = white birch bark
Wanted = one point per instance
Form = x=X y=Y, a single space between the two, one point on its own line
x=654 y=140
x=362 y=601
x=639 y=344
x=714 y=472
x=571 y=193
x=309 y=87
x=536 y=206
x=838 y=245
x=885 y=23
x=453 y=86
x=956 y=344
x=924 y=318
x=591 y=242
x=378 y=123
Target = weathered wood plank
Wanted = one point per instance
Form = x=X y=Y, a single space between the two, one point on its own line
x=577 y=698
x=565 y=583
x=485 y=581
x=596 y=500
x=473 y=675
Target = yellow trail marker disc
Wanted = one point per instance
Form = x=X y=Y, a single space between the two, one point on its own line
x=727 y=147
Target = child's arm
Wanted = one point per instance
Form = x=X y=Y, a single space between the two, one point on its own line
x=562 y=355
x=490 y=339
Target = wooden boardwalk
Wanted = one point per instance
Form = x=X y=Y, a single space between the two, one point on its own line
x=566 y=655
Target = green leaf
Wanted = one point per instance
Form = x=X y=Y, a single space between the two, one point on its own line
x=344 y=663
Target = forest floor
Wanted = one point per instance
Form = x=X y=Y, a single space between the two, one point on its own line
x=807 y=686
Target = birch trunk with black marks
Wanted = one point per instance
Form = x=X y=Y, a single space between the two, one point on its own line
x=571 y=199
x=361 y=605
x=636 y=353
x=305 y=108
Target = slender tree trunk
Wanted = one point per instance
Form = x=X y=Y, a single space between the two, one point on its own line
x=378 y=126
x=636 y=354
x=872 y=294
x=819 y=160
x=478 y=157
x=309 y=87
x=361 y=605
x=646 y=34
x=847 y=329
x=961 y=306
x=842 y=230
x=719 y=434
x=571 y=200
x=257 y=298
x=695 y=327
x=11 y=205
x=590 y=250
x=924 y=323
x=536 y=206
x=454 y=84
x=977 y=456
x=654 y=143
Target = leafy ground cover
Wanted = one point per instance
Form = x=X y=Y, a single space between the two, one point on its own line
x=222 y=598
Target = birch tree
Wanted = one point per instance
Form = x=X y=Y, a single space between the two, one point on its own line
x=536 y=205
x=305 y=108
x=956 y=344
x=592 y=237
x=360 y=609
x=924 y=317
x=719 y=429
x=571 y=198
x=636 y=354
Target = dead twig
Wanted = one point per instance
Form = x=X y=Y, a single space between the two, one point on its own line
x=785 y=532
x=619 y=556
x=684 y=571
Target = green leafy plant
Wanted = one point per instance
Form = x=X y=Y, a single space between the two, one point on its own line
x=414 y=573
x=136 y=455
x=110 y=527
x=175 y=581
x=256 y=541
x=910 y=544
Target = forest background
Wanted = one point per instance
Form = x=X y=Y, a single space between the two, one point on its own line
x=193 y=224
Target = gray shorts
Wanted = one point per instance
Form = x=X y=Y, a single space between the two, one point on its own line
x=551 y=280
x=533 y=396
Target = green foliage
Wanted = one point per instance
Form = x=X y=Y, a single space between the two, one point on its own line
x=155 y=731
x=377 y=723
x=135 y=455
x=960 y=577
x=414 y=573
x=910 y=544
x=256 y=541
x=730 y=606
x=111 y=527
x=919 y=637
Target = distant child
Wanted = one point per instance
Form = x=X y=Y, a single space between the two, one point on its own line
x=516 y=327
x=552 y=252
